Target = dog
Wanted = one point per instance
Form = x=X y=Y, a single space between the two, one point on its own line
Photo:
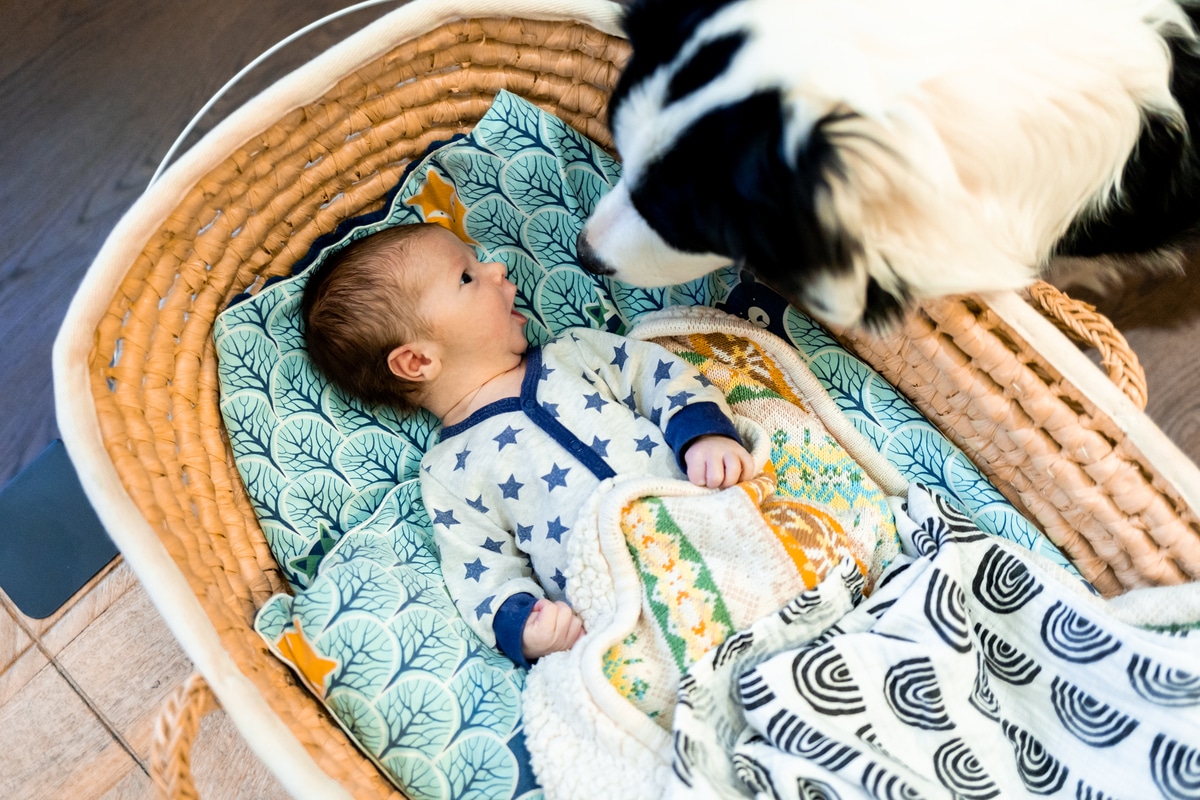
x=861 y=155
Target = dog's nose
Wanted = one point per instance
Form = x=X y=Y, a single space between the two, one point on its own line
x=588 y=258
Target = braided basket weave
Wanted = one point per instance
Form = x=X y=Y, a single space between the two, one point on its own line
x=136 y=384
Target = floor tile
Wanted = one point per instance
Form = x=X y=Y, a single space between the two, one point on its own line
x=60 y=629
x=136 y=785
x=20 y=672
x=13 y=639
x=225 y=766
x=127 y=663
x=20 y=658
x=54 y=747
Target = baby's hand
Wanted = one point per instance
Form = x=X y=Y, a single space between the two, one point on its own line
x=552 y=626
x=717 y=462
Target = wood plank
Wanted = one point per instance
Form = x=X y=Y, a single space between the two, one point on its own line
x=20 y=659
x=20 y=672
x=126 y=663
x=136 y=786
x=1160 y=317
x=54 y=747
x=225 y=766
x=13 y=640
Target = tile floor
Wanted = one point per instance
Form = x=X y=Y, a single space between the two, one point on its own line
x=80 y=693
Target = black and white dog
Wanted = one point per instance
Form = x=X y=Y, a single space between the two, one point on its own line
x=861 y=154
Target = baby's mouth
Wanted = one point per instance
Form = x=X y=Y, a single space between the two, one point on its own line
x=520 y=317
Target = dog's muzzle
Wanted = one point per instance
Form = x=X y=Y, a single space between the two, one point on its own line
x=588 y=258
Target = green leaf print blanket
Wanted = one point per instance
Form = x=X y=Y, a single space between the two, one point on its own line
x=662 y=571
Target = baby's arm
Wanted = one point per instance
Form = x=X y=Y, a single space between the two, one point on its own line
x=481 y=565
x=692 y=413
x=552 y=626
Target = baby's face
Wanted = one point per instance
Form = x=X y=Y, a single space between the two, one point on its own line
x=467 y=303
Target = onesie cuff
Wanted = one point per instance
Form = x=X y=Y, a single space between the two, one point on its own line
x=508 y=624
x=696 y=420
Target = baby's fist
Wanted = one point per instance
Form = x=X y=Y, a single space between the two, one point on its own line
x=551 y=627
x=717 y=462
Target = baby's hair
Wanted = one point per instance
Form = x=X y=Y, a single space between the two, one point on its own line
x=361 y=304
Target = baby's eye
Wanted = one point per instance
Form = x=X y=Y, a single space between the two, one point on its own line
x=466 y=278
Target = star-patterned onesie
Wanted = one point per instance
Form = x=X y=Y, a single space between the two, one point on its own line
x=504 y=486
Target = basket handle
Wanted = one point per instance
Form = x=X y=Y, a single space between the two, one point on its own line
x=270 y=51
x=174 y=733
x=1083 y=323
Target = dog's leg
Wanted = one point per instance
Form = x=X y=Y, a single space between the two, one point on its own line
x=1106 y=275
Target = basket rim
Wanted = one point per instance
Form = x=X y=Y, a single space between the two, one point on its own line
x=1179 y=471
x=265 y=732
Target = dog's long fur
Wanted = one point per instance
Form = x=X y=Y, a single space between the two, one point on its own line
x=861 y=154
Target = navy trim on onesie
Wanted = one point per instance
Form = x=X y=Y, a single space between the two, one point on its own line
x=688 y=424
x=559 y=432
x=508 y=625
x=528 y=404
x=502 y=406
x=490 y=410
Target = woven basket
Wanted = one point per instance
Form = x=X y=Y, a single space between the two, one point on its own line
x=136 y=386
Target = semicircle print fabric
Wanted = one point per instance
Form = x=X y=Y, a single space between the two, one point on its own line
x=969 y=673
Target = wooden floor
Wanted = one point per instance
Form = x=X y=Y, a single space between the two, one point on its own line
x=93 y=94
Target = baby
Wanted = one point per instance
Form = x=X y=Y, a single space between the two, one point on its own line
x=410 y=317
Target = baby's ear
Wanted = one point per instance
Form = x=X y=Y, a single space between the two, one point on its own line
x=415 y=362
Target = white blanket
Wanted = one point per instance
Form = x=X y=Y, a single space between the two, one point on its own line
x=973 y=670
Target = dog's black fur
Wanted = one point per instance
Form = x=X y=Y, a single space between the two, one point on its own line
x=1160 y=185
x=725 y=185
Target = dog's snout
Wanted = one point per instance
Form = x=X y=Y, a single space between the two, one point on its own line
x=588 y=258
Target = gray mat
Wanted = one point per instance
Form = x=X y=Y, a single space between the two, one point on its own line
x=51 y=541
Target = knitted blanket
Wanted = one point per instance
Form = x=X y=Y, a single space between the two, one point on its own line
x=663 y=571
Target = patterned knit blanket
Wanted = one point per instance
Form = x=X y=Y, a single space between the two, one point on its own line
x=663 y=571
x=810 y=508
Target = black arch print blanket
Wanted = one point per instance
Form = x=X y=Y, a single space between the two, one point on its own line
x=970 y=672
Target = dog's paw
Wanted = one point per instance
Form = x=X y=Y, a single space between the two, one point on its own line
x=1109 y=276
x=1100 y=277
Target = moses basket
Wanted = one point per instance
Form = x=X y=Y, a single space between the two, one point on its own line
x=136 y=377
